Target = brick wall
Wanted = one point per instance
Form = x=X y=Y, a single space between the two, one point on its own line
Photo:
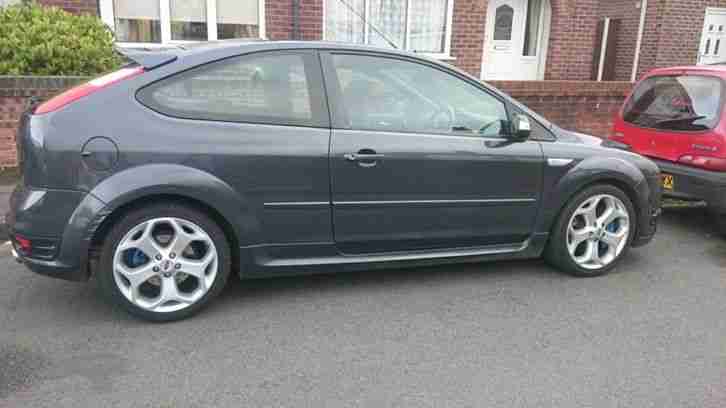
x=572 y=39
x=467 y=36
x=14 y=95
x=671 y=35
x=74 y=6
x=279 y=21
x=583 y=106
x=679 y=33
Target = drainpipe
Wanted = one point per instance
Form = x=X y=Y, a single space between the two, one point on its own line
x=641 y=28
x=296 y=19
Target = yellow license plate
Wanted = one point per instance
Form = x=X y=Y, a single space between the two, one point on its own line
x=668 y=183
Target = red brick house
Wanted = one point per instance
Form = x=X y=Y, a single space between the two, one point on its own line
x=511 y=39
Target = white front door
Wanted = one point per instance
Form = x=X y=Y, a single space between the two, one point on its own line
x=515 y=39
x=712 y=48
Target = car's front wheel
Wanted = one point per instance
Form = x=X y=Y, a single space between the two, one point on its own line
x=164 y=262
x=593 y=231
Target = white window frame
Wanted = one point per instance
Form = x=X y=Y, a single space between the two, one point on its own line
x=446 y=55
x=107 y=15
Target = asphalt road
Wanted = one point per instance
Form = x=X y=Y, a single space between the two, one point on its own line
x=507 y=334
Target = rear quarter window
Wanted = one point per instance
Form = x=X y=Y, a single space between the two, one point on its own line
x=676 y=102
x=268 y=88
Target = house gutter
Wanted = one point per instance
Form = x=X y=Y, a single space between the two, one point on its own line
x=639 y=42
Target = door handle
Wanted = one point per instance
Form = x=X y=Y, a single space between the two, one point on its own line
x=362 y=156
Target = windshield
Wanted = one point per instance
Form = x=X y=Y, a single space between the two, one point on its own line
x=686 y=103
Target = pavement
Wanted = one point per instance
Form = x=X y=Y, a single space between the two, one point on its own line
x=6 y=189
x=504 y=334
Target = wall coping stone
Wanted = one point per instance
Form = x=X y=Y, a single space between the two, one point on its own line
x=554 y=88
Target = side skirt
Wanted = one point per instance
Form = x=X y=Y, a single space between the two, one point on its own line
x=263 y=261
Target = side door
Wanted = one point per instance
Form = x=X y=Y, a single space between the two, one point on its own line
x=259 y=122
x=420 y=159
x=504 y=36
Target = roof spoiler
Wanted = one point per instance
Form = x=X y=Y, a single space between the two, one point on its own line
x=150 y=58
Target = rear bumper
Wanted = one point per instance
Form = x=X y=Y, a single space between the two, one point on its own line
x=696 y=184
x=56 y=222
x=54 y=269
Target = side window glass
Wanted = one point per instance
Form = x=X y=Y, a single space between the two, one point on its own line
x=259 y=88
x=685 y=102
x=394 y=95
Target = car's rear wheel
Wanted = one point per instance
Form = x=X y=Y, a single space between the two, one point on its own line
x=593 y=232
x=163 y=262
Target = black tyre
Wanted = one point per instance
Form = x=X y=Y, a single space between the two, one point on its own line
x=163 y=262
x=593 y=231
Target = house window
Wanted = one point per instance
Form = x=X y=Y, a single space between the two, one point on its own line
x=137 y=22
x=188 y=20
x=416 y=25
x=166 y=21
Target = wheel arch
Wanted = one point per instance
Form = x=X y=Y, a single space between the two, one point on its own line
x=98 y=235
x=140 y=186
x=605 y=170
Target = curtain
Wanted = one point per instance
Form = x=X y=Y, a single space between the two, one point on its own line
x=342 y=24
x=389 y=17
x=428 y=25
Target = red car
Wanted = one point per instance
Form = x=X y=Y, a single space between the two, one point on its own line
x=675 y=117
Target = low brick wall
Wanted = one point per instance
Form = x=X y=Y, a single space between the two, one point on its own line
x=583 y=106
x=14 y=95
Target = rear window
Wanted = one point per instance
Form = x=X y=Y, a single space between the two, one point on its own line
x=272 y=88
x=685 y=103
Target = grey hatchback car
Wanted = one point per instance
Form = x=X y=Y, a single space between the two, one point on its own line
x=267 y=158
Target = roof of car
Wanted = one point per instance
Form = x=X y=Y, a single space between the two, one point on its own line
x=719 y=70
x=271 y=44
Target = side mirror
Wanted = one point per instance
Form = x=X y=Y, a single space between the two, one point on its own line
x=521 y=128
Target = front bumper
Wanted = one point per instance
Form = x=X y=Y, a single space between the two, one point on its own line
x=696 y=184
x=649 y=208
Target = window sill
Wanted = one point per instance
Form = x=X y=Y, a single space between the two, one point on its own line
x=169 y=44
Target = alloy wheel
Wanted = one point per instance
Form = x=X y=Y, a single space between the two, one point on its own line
x=598 y=231
x=165 y=264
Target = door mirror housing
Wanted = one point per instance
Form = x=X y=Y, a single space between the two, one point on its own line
x=521 y=127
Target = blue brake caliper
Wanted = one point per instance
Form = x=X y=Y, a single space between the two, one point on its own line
x=135 y=257
x=612 y=227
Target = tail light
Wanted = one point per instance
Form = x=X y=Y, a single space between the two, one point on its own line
x=704 y=162
x=86 y=89
x=23 y=245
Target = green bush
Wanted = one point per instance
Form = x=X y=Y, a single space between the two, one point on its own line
x=37 y=40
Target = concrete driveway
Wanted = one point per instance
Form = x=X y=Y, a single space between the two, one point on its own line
x=508 y=334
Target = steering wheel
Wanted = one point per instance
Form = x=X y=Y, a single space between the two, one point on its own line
x=443 y=118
